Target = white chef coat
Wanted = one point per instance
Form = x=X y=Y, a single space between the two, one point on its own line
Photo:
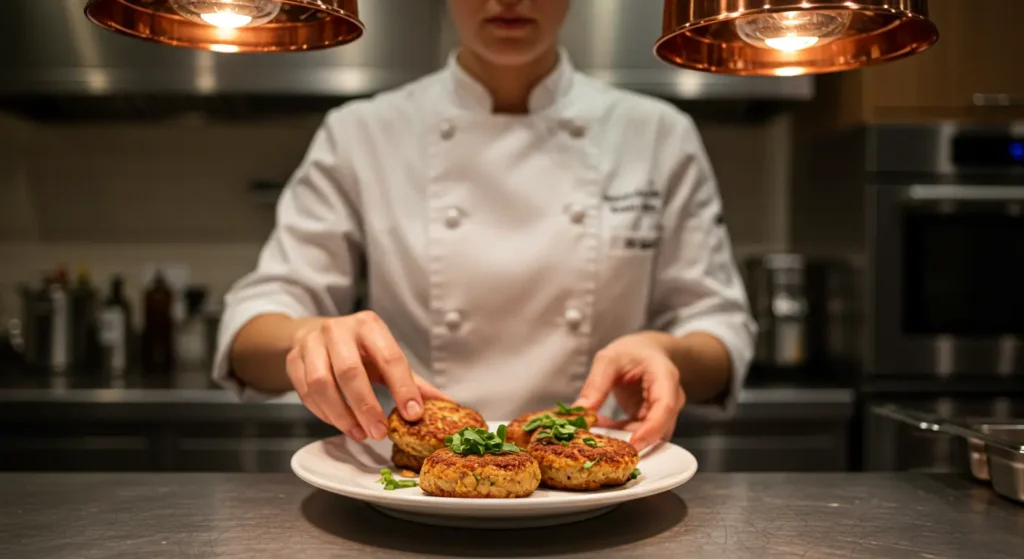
x=502 y=251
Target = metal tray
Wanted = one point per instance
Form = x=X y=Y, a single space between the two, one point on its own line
x=1013 y=432
x=996 y=449
x=1006 y=465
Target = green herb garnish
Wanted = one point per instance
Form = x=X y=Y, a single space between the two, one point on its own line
x=549 y=421
x=563 y=410
x=548 y=434
x=543 y=420
x=635 y=474
x=390 y=483
x=590 y=463
x=589 y=441
x=473 y=440
x=561 y=431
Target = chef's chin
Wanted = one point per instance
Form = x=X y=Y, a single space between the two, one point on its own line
x=511 y=51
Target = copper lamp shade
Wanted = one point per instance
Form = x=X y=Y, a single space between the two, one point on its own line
x=791 y=37
x=291 y=25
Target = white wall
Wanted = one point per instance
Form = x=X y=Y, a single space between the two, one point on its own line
x=121 y=196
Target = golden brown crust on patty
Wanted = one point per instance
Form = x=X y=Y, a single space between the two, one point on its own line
x=521 y=438
x=404 y=460
x=440 y=419
x=507 y=475
x=563 y=466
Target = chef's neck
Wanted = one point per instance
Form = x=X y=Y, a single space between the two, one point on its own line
x=509 y=86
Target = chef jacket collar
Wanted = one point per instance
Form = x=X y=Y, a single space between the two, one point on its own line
x=469 y=94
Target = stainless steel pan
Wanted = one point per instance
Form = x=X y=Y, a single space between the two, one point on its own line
x=996 y=449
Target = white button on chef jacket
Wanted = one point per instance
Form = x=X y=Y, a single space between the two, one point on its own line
x=457 y=217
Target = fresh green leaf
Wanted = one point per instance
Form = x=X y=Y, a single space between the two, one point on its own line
x=635 y=474
x=387 y=479
x=455 y=443
x=543 y=420
x=549 y=420
x=472 y=440
x=590 y=463
x=559 y=430
x=564 y=432
x=473 y=437
x=591 y=442
x=563 y=410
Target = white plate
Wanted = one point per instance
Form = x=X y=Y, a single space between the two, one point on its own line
x=346 y=467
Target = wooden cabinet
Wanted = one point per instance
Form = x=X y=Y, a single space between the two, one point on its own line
x=975 y=71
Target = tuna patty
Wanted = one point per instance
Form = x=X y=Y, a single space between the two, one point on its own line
x=404 y=460
x=586 y=462
x=505 y=475
x=516 y=429
x=418 y=440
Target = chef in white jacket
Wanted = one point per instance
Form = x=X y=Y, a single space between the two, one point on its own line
x=527 y=234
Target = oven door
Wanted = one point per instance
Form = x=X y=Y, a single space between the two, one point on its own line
x=948 y=280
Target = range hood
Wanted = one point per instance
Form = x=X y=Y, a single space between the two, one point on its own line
x=53 y=62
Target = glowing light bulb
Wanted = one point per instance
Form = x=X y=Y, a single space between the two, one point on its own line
x=228 y=14
x=227 y=19
x=794 y=31
x=790 y=44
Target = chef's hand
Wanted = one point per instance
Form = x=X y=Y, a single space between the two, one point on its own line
x=645 y=382
x=333 y=364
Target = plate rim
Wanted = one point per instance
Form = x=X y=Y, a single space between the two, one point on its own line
x=455 y=504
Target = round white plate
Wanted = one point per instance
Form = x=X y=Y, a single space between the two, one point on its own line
x=346 y=467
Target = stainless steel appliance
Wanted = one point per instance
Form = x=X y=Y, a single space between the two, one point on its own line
x=945 y=282
x=946 y=250
x=806 y=309
x=778 y=300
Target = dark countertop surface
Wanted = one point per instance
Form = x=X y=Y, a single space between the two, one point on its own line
x=737 y=516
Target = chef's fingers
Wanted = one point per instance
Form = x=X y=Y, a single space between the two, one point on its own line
x=322 y=389
x=380 y=347
x=599 y=383
x=670 y=431
x=297 y=376
x=429 y=391
x=664 y=399
x=348 y=371
x=623 y=424
x=605 y=421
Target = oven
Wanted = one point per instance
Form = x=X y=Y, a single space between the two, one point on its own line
x=946 y=251
x=944 y=310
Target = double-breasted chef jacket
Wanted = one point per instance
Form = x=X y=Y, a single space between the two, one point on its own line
x=502 y=250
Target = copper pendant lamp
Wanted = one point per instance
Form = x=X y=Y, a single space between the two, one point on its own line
x=791 y=37
x=233 y=25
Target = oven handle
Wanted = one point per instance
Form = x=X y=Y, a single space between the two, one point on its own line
x=940 y=192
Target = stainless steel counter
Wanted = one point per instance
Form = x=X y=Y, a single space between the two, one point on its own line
x=179 y=422
x=715 y=515
x=68 y=428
